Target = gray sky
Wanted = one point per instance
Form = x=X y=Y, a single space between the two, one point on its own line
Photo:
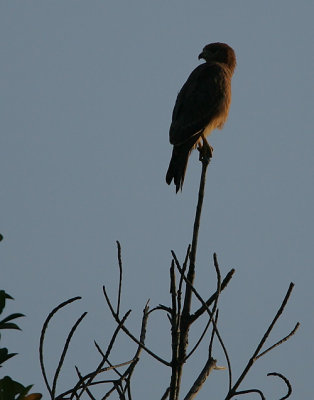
x=87 y=91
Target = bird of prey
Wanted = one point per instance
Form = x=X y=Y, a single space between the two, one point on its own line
x=202 y=105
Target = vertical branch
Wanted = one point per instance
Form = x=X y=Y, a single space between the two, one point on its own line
x=120 y=276
x=136 y=358
x=205 y=161
x=205 y=156
x=174 y=334
x=181 y=277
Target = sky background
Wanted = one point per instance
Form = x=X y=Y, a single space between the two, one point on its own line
x=87 y=92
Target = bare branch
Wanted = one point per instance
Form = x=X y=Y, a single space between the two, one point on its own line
x=210 y=347
x=185 y=263
x=103 y=355
x=224 y=284
x=63 y=354
x=106 y=355
x=173 y=292
x=166 y=394
x=261 y=343
x=211 y=317
x=199 y=340
x=213 y=311
x=205 y=155
x=116 y=317
x=108 y=394
x=42 y=339
x=160 y=307
x=120 y=277
x=251 y=391
x=85 y=388
x=286 y=382
x=175 y=333
x=130 y=370
x=200 y=380
x=280 y=341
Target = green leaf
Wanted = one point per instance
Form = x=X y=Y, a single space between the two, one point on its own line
x=5 y=355
x=12 y=316
x=10 y=388
x=9 y=325
x=3 y=297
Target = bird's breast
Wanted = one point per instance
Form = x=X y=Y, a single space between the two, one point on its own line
x=220 y=117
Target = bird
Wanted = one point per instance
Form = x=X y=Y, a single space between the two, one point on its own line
x=202 y=105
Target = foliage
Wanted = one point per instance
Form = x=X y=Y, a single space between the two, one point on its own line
x=10 y=389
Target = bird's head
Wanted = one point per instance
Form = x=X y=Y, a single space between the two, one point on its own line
x=219 y=52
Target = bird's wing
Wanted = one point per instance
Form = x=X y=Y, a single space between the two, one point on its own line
x=198 y=101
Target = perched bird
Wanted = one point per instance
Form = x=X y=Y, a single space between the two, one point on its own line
x=202 y=105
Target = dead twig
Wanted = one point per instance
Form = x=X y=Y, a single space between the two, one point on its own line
x=131 y=368
x=63 y=354
x=286 y=381
x=202 y=309
x=117 y=319
x=280 y=341
x=105 y=356
x=42 y=339
x=232 y=392
x=251 y=391
x=211 y=318
x=200 y=380
x=120 y=276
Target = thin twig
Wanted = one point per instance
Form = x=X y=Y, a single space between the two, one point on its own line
x=84 y=385
x=210 y=347
x=63 y=354
x=120 y=276
x=116 y=317
x=131 y=368
x=280 y=341
x=202 y=309
x=84 y=378
x=286 y=382
x=173 y=292
x=184 y=266
x=199 y=340
x=108 y=394
x=218 y=291
x=108 y=362
x=106 y=355
x=161 y=307
x=213 y=310
x=166 y=394
x=233 y=390
x=42 y=339
x=251 y=391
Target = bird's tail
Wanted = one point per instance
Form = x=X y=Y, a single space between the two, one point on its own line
x=177 y=166
x=179 y=162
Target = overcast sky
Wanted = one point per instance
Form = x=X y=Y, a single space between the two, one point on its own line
x=87 y=92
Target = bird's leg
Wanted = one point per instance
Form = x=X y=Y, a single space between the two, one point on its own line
x=206 y=150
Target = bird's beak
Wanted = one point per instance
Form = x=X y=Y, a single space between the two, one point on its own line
x=201 y=56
